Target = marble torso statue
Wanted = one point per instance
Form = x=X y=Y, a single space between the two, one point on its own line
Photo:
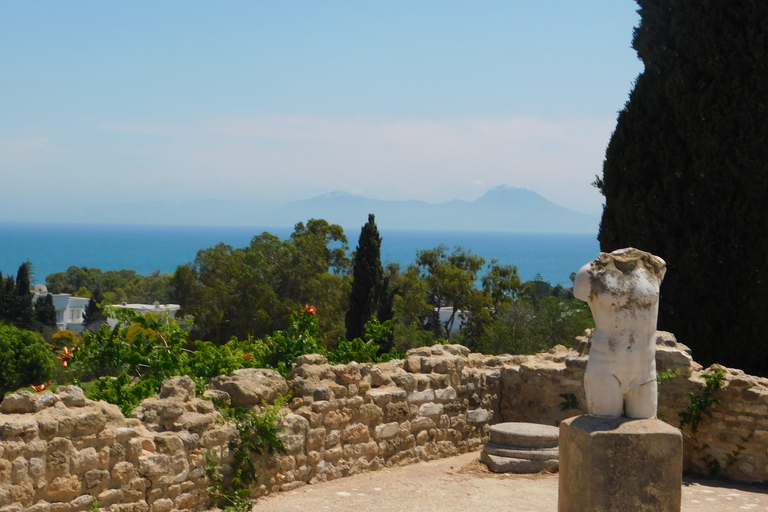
x=622 y=290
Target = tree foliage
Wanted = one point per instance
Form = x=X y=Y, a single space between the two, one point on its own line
x=686 y=172
x=369 y=295
x=115 y=286
x=252 y=291
x=26 y=358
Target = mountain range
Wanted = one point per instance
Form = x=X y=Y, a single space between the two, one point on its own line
x=500 y=209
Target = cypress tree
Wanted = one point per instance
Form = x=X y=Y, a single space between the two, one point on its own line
x=45 y=311
x=93 y=317
x=686 y=172
x=367 y=280
x=22 y=313
x=3 y=300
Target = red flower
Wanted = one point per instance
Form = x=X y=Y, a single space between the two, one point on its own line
x=310 y=310
x=40 y=387
x=66 y=355
x=248 y=356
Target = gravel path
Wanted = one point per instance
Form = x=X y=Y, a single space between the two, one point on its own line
x=462 y=483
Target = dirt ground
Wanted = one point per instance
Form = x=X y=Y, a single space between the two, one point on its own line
x=462 y=483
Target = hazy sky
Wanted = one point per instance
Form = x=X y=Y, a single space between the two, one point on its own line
x=283 y=100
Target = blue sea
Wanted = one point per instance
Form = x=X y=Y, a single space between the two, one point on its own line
x=54 y=247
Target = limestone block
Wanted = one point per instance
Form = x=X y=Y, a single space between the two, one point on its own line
x=419 y=397
x=81 y=502
x=382 y=396
x=478 y=416
x=387 y=430
x=412 y=364
x=23 y=427
x=431 y=409
x=40 y=506
x=347 y=373
x=356 y=433
x=422 y=422
x=619 y=464
x=27 y=402
x=161 y=505
x=63 y=488
x=445 y=395
x=501 y=464
x=249 y=386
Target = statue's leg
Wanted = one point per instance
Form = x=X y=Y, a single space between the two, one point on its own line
x=641 y=402
x=603 y=390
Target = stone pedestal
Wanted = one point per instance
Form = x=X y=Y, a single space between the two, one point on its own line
x=521 y=448
x=619 y=465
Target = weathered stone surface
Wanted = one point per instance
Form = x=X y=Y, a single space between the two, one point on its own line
x=524 y=435
x=619 y=464
x=499 y=464
x=622 y=290
x=249 y=386
x=501 y=450
x=478 y=416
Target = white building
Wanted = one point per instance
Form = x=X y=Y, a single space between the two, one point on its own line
x=156 y=308
x=69 y=309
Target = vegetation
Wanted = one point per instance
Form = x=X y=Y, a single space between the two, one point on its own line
x=114 y=286
x=256 y=433
x=686 y=173
x=369 y=297
x=26 y=359
x=252 y=291
x=700 y=405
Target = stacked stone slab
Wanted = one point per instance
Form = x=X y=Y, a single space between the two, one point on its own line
x=521 y=448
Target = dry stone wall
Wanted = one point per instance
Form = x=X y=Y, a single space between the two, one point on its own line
x=534 y=389
x=61 y=452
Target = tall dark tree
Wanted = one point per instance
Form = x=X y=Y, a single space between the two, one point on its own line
x=93 y=317
x=686 y=172
x=368 y=287
x=4 y=297
x=45 y=311
x=21 y=308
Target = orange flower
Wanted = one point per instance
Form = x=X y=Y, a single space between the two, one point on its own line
x=310 y=310
x=66 y=355
x=40 y=387
x=248 y=356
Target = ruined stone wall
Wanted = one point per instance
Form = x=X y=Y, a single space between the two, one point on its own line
x=533 y=389
x=59 y=452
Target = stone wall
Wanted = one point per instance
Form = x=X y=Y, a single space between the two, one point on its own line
x=532 y=389
x=59 y=452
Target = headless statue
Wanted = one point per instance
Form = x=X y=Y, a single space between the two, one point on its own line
x=622 y=290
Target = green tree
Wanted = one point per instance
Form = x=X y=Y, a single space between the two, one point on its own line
x=252 y=291
x=21 y=308
x=26 y=360
x=450 y=279
x=686 y=172
x=93 y=316
x=45 y=311
x=368 y=286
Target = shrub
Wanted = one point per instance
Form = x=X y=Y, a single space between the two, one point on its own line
x=26 y=358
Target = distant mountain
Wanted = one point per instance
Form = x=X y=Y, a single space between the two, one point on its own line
x=500 y=209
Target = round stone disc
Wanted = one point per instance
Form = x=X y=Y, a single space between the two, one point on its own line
x=524 y=435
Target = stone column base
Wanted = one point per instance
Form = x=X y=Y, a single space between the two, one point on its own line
x=619 y=465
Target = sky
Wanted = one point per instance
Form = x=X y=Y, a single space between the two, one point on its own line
x=277 y=101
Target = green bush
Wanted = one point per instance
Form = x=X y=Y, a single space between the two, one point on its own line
x=26 y=359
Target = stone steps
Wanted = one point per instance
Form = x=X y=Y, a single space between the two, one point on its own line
x=521 y=448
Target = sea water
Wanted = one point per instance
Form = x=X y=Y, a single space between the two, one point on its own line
x=54 y=247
